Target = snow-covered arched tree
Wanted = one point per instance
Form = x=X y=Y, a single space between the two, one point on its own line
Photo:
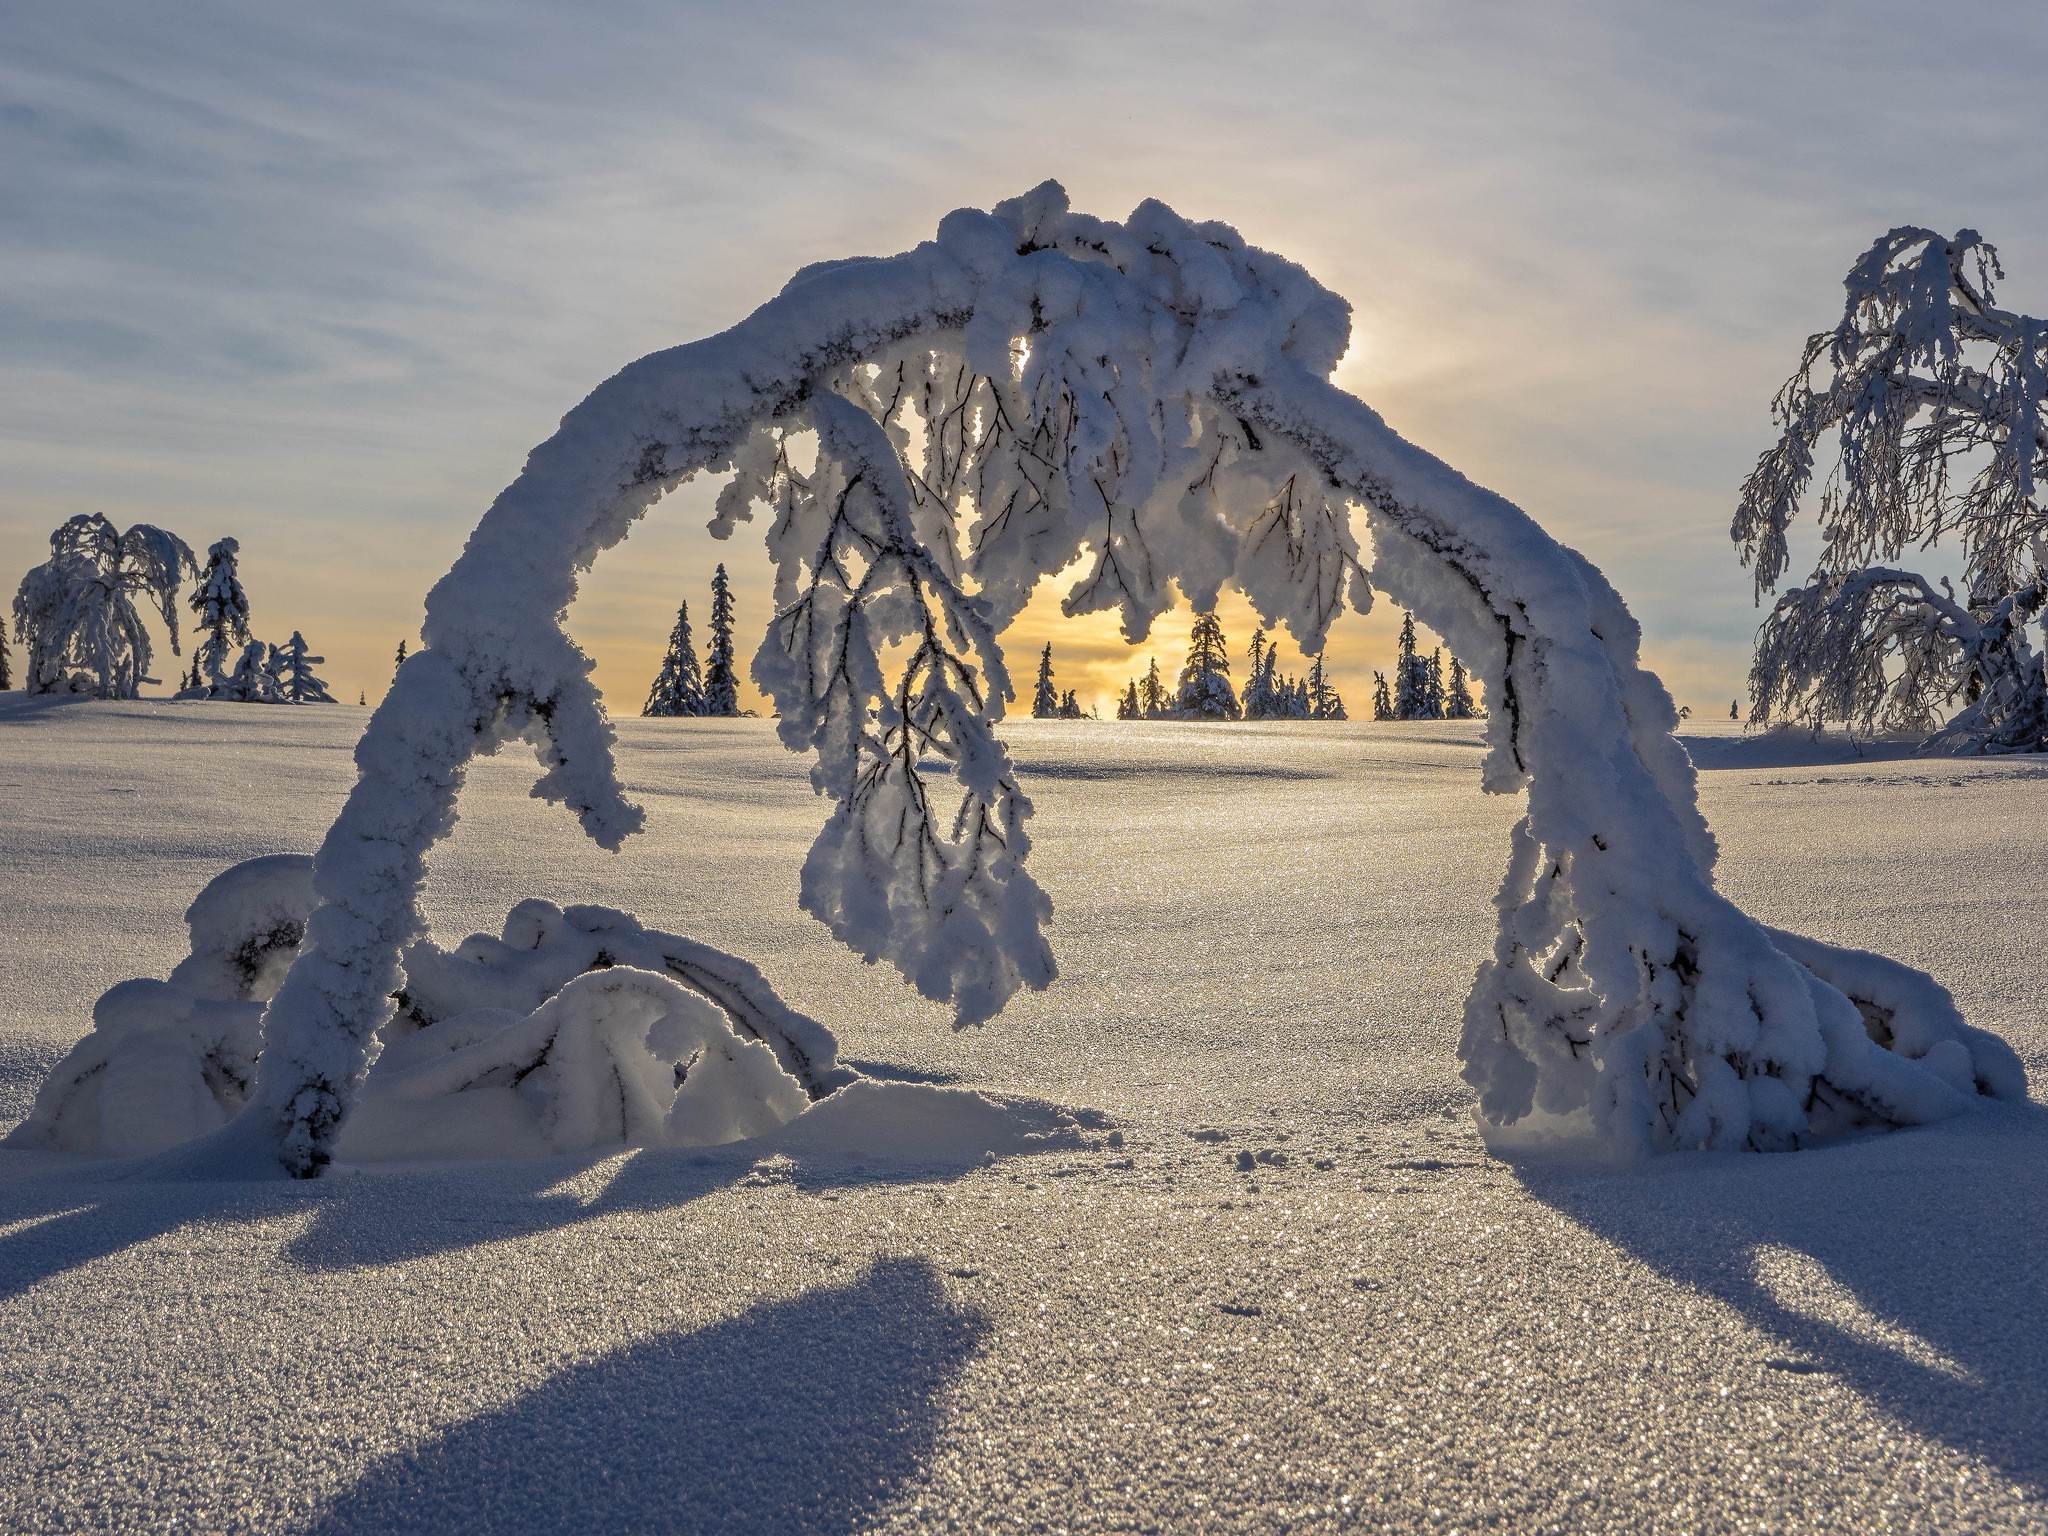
x=678 y=688
x=1153 y=395
x=721 y=684
x=76 y=615
x=221 y=609
x=1936 y=400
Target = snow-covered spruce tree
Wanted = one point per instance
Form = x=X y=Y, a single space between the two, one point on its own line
x=1205 y=692
x=721 y=686
x=1033 y=384
x=296 y=681
x=1152 y=694
x=221 y=610
x=1324 y=702
x=1127 y=707
x=254 y=679
x=75 y=614
x=1936 y=399
x=678 y=687
x=6 y=661
x=1410 y=681
x=1382 y=698
x=1070 y=707
x=1458 y=704
x=1045 y=699
x=1433 y=693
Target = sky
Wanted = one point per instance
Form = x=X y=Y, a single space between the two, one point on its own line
x=318 y=277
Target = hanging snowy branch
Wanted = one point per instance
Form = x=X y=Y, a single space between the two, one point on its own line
x=1151 y=397
x=1935 y=396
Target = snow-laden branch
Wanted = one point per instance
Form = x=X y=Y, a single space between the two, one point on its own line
x=1935 y=397
x=1151 y=396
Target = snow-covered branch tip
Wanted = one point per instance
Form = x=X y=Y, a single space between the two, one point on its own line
x=934 y=433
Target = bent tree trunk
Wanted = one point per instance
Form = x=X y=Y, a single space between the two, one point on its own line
x=1031 y=385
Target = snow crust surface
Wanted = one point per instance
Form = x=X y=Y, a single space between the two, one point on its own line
x=1272 y=1282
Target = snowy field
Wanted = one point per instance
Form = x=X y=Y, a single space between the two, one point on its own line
x=1272 y=1283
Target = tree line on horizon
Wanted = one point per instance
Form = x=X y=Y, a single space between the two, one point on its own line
x=77 y=619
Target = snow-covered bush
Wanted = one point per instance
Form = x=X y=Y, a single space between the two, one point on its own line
x=1154 y=396
x=76 y=613
x=1936 y=398
x=291 y=665
x=170 y=1060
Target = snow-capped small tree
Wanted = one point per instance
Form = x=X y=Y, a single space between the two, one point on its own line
x=1127 y=707
x=221 y=608
x=1152 y=695
x=678 y=687
x=1735 y=709
x=1458 y=703
x=1070 y=707
x=1045 y=699
x=1205 y=691
x=292 y=664
x=1382 y=698
x=1936 y=399
x=721 y=685
x=1152 y=397
x=1411 y=679
x=1324 y=702
x=76 y=614
x=6 y=661
x=254 y=679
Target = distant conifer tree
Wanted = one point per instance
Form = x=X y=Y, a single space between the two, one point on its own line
x=401 y=660
x=1152 y=692
x=1734 y=709
x=721 y=686
x=1205 y=690
x=6 y=665
x=293 y=669
x=1070 y=707
x=1045 y=699
x=1127 y=707
x=678 y=687
x=222 y=608
x=1458 y=703
x=1382 y=698
x=1433 y=692
x=1410 y=674
x=1324 y=702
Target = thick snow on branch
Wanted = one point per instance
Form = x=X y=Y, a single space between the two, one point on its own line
x=1935 y=398
x=1152 y=397
x=77 y=614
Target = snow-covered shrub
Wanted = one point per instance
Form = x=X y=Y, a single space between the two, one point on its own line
x=170 y=1060
x=544 y=947
x=1935 y=397
x=76 y=612
x=620 y=1057
x=1154 y=396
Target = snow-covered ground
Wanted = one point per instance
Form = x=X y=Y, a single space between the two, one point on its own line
x=1279 y=1287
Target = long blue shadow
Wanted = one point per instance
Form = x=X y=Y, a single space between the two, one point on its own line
x=801 y=1416
x=1939 y=1233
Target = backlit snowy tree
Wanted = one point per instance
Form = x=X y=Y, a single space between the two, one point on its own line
x=721 y=685
x=1127 y=707
x=1152 y=396
x=1045 y=699
x=1935 y=399
x=1152 y=695
x=1382 y=698
x=292 y=664
x=678 y=687
x=1324 y=702
x=1411 y=675
x=1458 y=702
x=221 y=609
x=76 y=614
x=1205 y=692
x=6 y=660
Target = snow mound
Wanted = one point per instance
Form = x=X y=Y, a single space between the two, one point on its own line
x=168 y=1061
x=620 y=1057
x=544 y=946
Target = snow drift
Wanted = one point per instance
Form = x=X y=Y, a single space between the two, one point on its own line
x=1153 y=395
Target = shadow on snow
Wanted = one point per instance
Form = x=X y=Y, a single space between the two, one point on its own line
x=1911 y=1267
x=800 y=1415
